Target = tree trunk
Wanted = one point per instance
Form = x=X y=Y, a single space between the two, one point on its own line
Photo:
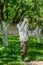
x=4 y=33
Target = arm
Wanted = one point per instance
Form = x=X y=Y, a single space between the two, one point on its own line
x=17 y=25
x=24 y=22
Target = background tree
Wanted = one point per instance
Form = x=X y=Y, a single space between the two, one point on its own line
x=3 y=27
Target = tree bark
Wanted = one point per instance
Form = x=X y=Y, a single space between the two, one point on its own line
x=4 y=33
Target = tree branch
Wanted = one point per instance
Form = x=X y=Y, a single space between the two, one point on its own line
x=1 y=10
x=17 y=11
x=19 y=17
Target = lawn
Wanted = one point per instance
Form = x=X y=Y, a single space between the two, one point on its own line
x=11 y=55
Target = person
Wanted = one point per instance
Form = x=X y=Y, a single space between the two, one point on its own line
x=23 y=33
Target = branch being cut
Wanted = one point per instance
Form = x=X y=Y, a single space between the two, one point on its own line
x=19 y=17
x=22 y=13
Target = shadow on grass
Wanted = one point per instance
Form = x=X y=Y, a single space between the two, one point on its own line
x=10 y=53
x=34 y=51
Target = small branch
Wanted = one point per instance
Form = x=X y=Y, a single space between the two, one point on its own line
x=19 y=17
x=8 y=25
x=1 y=10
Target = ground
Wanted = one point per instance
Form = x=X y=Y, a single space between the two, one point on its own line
x=34 y=63
x=11 y=55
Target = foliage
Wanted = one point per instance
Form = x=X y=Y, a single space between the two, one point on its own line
x=16 y=9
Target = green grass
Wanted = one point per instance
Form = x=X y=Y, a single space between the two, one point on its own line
x=11 y=55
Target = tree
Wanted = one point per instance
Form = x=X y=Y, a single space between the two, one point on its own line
x=3 y=27
x=14 y=10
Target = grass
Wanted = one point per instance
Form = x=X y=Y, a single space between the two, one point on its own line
x=11 y=55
